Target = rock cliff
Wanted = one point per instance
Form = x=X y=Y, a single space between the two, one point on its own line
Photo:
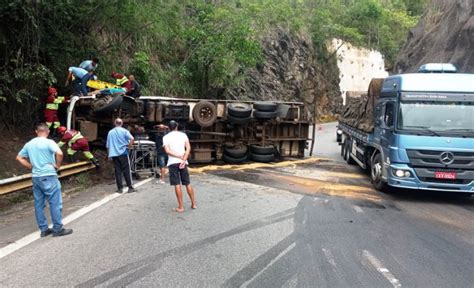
x=290 y=72
x=445 y=33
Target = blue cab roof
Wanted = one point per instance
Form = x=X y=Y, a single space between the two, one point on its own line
x=429 y=82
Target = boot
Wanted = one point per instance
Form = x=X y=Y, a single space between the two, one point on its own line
x=95 y=162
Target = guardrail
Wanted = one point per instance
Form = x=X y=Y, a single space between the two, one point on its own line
x=24 y=181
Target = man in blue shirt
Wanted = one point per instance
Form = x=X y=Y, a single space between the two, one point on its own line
x=81 y=77
x=89 y=65
x=119 y=141
x=44 y=157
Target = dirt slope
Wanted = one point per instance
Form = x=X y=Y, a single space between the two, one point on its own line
x=444 y=34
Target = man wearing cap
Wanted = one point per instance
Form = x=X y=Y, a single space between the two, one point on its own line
x=177 y=147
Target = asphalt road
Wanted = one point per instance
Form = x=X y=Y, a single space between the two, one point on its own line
x=312 y=224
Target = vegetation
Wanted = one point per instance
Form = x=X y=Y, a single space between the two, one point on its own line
x=176 y=48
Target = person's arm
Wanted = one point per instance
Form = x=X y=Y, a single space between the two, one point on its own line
x=59 y=158
x=130 y=143
x=69 y=76
x=24 y=162
x=170 y=152
x=188 y=151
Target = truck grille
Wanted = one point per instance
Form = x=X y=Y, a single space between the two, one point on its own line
x=427 y=162
x=428 y=158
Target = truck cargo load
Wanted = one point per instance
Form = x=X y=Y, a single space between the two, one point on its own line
x=359 y=108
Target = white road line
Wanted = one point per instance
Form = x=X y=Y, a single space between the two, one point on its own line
x=269 y=264
x=380 y=268
x=329 y=256
x=358 y=209
x=28 y=239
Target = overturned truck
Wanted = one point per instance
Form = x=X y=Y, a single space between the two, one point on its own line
x=232 y=131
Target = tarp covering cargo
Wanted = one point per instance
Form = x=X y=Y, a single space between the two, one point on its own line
x=359 y=108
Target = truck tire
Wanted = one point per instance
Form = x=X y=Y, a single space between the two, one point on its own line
x=239 y=110
x=234 y=160
x=265 y=106
x=107 y=103
x=262 y=158
x=343 y=149
x=236 y=151
x=264 y=114
x=205 y=113
x=347 y=155
x=376 y=173
x=237 y=120
x=262 y=149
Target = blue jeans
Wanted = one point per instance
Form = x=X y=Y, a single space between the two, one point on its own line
x=48 y=187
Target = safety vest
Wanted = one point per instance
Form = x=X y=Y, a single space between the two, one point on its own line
x=76 y=136
x=55 y=104
x=121 y=81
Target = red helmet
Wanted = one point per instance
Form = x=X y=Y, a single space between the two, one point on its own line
x=61 y=129
x=52 y=90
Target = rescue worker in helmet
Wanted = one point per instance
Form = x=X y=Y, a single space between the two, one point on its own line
x=76 y=142
x=122 y=80
x=51 y=110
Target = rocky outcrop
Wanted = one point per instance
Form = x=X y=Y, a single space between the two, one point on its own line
x=290 y=72
x=444 y=34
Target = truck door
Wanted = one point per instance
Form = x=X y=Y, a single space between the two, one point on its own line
x=387 y=128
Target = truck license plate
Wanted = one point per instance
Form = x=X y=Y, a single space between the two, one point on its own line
x=445 y=175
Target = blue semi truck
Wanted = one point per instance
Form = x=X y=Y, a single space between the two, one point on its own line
x=417 y=131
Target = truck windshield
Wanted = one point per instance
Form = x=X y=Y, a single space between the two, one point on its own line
x=436 y=117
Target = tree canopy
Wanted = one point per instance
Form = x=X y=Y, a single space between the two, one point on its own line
x=176 y=48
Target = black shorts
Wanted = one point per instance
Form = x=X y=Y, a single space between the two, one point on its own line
x=178 y=176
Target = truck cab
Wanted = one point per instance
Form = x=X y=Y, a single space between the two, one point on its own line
x=423 y=135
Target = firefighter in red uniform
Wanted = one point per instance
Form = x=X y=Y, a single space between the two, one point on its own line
x=76 y=142
x=52 y=106
x=122 y=80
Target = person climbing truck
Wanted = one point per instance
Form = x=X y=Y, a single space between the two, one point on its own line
x=89 y=65
x=81 y=77
x=76 y=142
x=51 y=109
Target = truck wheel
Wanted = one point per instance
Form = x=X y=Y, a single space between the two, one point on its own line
x=205 y=113
x=343 y=149
x=264 y=114
x=263 y=158
x=236 y=151
x=234 y=160
x=239 y=110
x=107 y=103
x=262 y=149
x=376 y=173
x=265 y=106
x=237 y=120
x=347 y=156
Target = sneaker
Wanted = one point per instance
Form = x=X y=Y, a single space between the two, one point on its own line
x=160 y=182
x=46 y=232
x=120 y=190
x=131 y=190
x=62 y=232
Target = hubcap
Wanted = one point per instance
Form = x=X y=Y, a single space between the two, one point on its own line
x=376 y=171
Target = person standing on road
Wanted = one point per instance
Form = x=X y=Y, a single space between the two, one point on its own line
x=119 y=141
x=160 y=151
x=44 y=157
x=177 y=147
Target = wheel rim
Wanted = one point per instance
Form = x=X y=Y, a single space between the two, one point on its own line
x=205 y=114
x=376 y=172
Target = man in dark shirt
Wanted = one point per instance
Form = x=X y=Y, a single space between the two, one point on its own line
x=135 y=87
x=160 y=151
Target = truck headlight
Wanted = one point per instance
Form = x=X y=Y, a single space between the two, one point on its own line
x=339 y=132
x=401 y=173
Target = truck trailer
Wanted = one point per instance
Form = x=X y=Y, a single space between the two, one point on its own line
x=414 y=131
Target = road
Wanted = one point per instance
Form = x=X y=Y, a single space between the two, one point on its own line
x=314 y=223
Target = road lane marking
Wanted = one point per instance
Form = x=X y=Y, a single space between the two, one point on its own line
x=293 y=245
x=380 y=268
x=358 y=209
x=28 y=239
x=329 y=256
